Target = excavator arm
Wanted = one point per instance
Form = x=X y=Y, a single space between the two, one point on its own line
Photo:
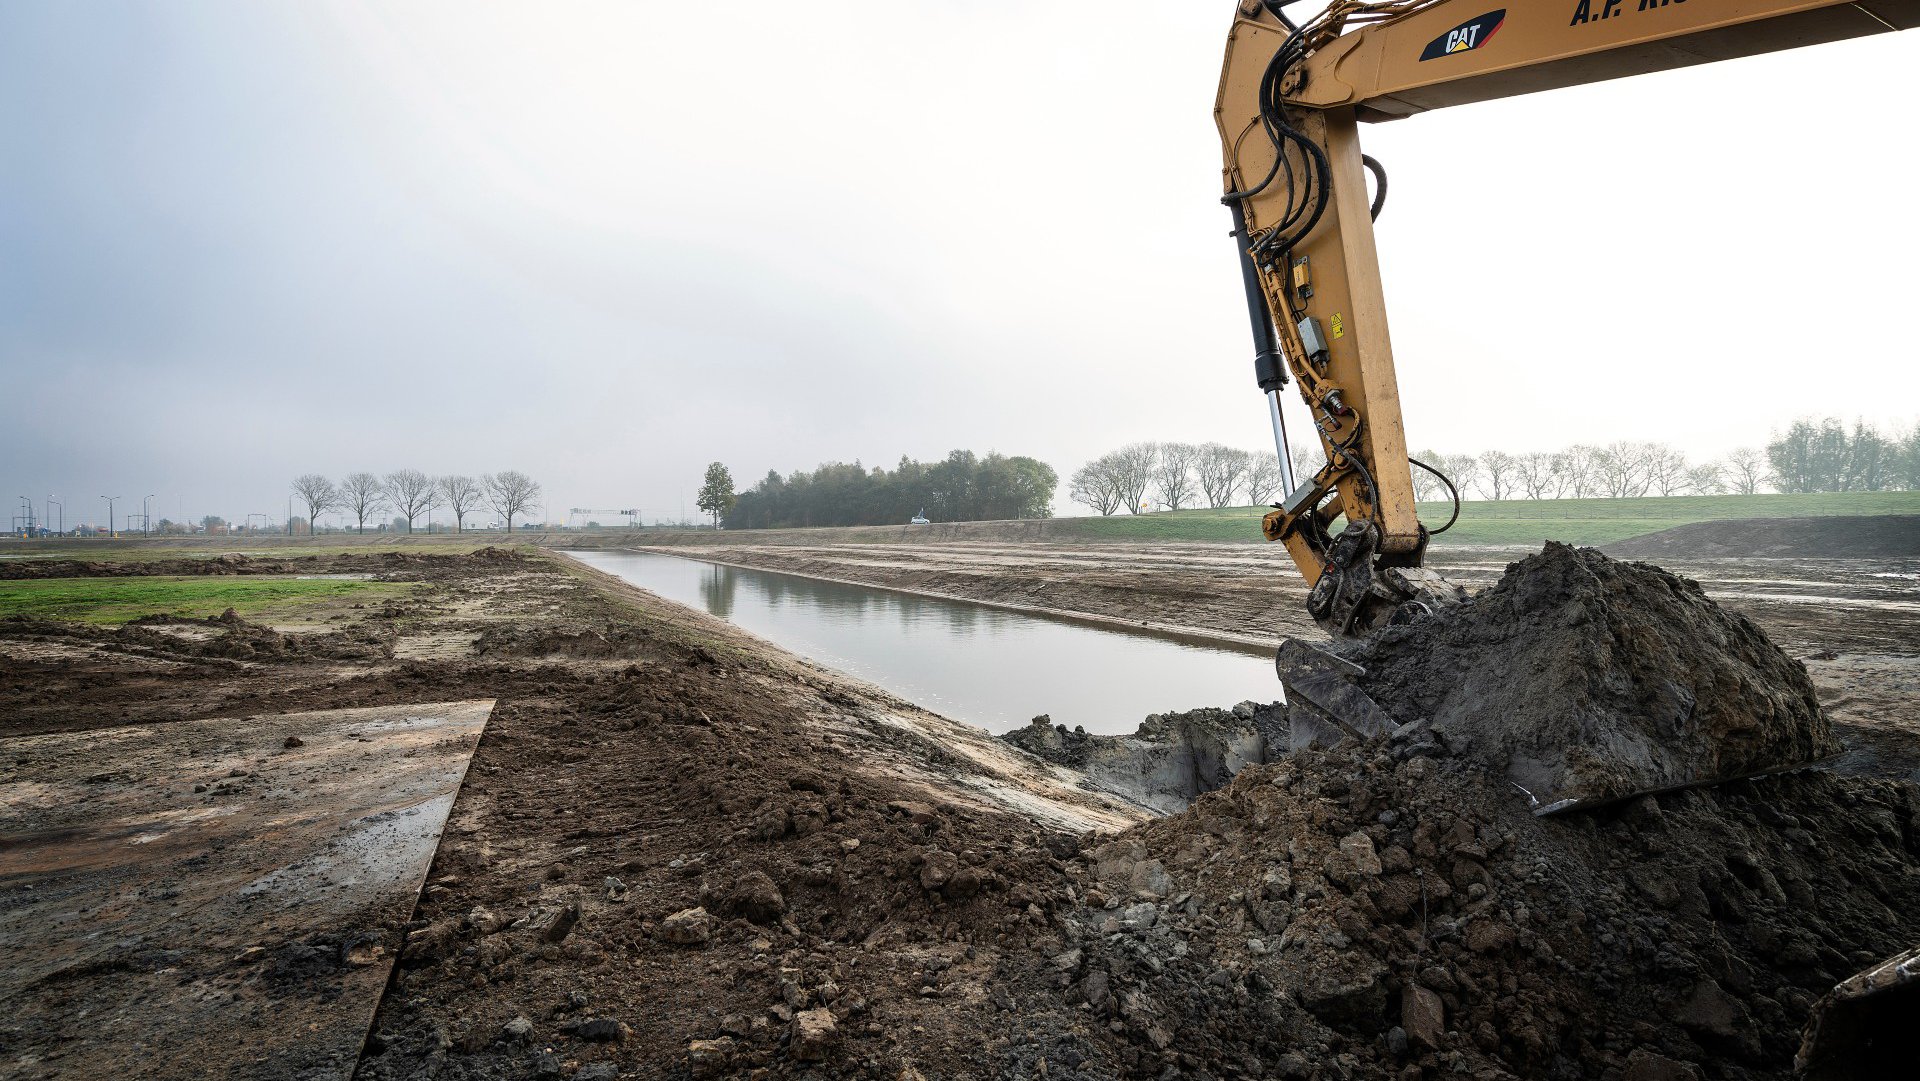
x=1290 y=103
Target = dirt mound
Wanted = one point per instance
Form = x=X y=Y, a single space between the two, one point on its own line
x=1580 y=677
x=1389 y=910
x=233 y=639
x=546 y=640
x=1170 y=758
x=1880 y=536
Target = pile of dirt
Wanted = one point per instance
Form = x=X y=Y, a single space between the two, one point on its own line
x=1583 y=678
x=1170 y=759
x=1879 y=536
x=232 y=638
x=547 y=640
x=1387 y=910
x=397 y=565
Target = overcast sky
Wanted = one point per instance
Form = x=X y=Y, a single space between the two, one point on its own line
x=608 y=243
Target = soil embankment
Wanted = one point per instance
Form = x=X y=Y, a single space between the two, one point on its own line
x=1886 y=536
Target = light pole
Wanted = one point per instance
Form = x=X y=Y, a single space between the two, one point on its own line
x=110 y=499
x=52 y=503
x=146 y=519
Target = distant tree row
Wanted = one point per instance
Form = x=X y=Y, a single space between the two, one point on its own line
x=1811 y=456
x=962 y=487
x=1174 y=476
x=1825 y=456
x=410 y=493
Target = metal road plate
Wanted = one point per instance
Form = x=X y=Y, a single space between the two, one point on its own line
x=199 y=899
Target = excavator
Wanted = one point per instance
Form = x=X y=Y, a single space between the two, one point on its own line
x=1292 y=96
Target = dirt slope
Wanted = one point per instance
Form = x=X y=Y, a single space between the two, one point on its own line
x=1888 y=536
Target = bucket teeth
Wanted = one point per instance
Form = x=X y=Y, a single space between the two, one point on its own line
x=1323 y=704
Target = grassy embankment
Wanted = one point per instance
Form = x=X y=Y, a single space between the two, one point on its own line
x=261 y=599
x=1518 y=521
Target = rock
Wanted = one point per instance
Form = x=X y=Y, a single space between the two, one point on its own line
x=1713 y=1012
x=936 y=867
x=814 y=1034
x=616 y=890
x=432 y=942
x=555 y=924
x=1489 y=936
x=603 y=1030
x=1357 y=848
x=964 y=884
x=486 y=921
x=1644 y=1065
x=1423 y=1016
x=710 y=1058
x=1277 y=884
x=687 y=927
x=1149 y=879
x=751 y=896
x=293 y=741
x=518 y=1030
x=597 y=1071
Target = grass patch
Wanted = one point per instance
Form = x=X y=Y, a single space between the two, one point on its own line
x=117 y=600
x=1528 y=522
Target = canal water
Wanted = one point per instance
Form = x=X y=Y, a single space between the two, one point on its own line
x=986 y=666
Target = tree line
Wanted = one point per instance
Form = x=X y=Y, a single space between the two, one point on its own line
x=962 y=487
x=1811 y=456
x=409 y=493
x=1175 y=476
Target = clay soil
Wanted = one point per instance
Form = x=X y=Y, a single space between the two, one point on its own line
x=682 y=853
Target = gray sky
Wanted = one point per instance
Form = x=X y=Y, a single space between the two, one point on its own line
x=608 y=243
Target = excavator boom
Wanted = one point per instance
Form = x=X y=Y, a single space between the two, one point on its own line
x=1290 y=103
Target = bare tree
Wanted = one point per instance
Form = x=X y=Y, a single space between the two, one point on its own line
x=1263 y=479
x=1622 y=469
x=1745 y=471
x=1222 y=470
x=1308 y=460
x=1133 y=471
x=460 y=495
x=408 y=491
x=1464 y=469
x=1173 y=476
x=1499 y=472
x=362 y=496
x=1539 y=475
x=1706 y=480
x=318 y=493
x=1427 y=487
x=1097 y=485
x=1579 y=470
x=510 y=493
x=1667 y=470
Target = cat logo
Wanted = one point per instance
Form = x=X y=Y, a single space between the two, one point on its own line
x=1467 y=36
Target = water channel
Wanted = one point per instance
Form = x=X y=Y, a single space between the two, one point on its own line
x=987 y=666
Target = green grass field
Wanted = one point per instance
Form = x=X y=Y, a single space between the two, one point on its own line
x=1517 y=521
x=116 y=600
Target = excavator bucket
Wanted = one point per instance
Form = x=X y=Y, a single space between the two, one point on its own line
x=1582 y=679
x=1863 y=1027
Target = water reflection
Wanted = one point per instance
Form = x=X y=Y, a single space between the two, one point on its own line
x=988 y=666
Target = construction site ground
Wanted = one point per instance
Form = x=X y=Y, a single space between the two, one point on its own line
x=680 y=852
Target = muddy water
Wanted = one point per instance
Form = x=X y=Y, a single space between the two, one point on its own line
x=986 y=666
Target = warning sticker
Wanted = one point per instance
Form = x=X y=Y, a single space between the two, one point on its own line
x=1339 y=325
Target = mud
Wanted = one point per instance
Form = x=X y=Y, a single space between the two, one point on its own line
x=238 y=563
x=1170 y=759
x=1583 y=678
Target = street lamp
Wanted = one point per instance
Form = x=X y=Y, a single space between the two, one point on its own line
x=52 y=503
x=110 y=499
x=146 y=520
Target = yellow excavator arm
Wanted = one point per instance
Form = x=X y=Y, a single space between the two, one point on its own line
x=1290 y=102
